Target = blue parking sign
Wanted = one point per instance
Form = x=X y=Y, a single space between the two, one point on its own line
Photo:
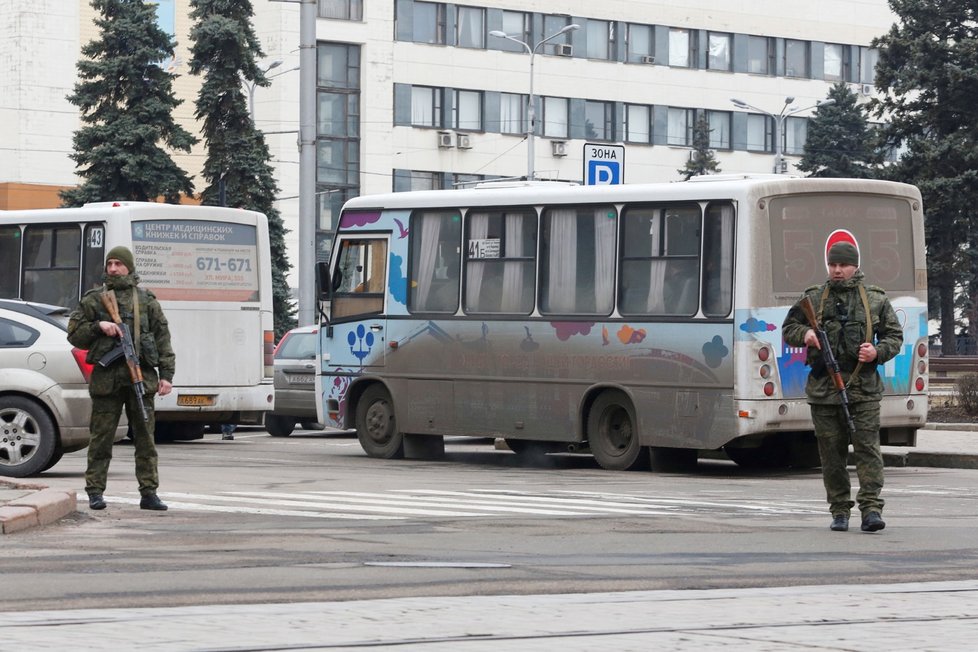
x=604 y=165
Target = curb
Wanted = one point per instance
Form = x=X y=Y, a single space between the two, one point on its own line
x=932 y=460
x=42 y=507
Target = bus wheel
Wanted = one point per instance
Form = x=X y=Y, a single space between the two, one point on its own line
x=612 y=434
x=376 y=425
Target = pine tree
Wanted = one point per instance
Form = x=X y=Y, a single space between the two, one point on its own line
x=927 y=76
x=225 y=51
x=840 y=142
x=703 y=159
x=126 y=102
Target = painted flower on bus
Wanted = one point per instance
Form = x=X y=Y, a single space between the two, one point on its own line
x=567 y=329
x=629 y=335
x=715 y=351
x=753 y=325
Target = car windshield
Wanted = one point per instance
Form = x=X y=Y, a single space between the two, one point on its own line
x=298 y=346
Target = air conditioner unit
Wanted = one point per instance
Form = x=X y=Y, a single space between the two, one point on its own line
x=564 y=50
x=648 y=58
x=445 y=139
x=558 y=147
x=463 y=141
x=867 y=89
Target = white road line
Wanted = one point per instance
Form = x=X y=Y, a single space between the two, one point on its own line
x=273 y=499
x=201 y=507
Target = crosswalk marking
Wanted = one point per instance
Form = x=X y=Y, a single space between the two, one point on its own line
x=403 y=504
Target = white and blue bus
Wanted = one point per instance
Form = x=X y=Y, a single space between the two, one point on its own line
x=209 y=267
x=641 y=323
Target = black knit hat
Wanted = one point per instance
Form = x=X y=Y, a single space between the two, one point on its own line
x=844 y=253
x=124 y=256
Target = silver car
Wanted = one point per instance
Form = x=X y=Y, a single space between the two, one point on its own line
x=295 y=377
x=44 y=402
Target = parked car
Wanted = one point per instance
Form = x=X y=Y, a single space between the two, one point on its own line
x=295 y=377
x=44 y=403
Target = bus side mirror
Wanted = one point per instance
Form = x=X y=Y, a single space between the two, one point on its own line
x=323 y=285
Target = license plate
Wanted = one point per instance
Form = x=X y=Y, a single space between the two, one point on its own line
x=302 y=379
x=195 y=400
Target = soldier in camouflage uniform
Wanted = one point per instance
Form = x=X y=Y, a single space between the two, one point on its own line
x=841 y=305
x=90 y=327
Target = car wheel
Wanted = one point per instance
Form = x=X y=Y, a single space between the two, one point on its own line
x=279 y=426
x=27 y=437
x=377 y=425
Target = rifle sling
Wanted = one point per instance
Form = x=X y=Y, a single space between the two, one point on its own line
x=869 y=322
x=135 y=322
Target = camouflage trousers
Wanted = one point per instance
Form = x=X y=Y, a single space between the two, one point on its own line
x=106 y=411
x=833 y=438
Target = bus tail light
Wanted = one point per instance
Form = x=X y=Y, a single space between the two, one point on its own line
x=268 y=353
x=920 y=382
x=768 y=389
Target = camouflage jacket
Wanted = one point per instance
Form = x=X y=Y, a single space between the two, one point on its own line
x=155 y=351
x=844 y=321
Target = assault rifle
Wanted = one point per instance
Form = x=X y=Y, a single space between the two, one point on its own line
x=831 y=364
x=125 y=348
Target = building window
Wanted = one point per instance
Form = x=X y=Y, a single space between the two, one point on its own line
x=795 y=134
x=555 y=111
x=638 y=123
x=459 y=180
x=166 y=16
x=500 y=261
x=512 y=113
x=552 y=25
x=718 y=56
x=719 y=129
x=760 y=136
x=795 y=58
x=429 y=23
x=426 y=103
x=517 y=25
x=760 y=55
x=599 y=120
x=639 y=43
x=471 y=27
x=600 y=39
x=836 y=62
x=420 y=180
x=681 y=48
x=867 y=65
x=338 y=137
x=680 y=126
x=467 y=111
x=341 y=9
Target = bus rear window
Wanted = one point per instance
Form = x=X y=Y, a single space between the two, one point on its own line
x=800 y=225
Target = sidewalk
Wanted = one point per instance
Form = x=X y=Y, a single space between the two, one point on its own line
x=25 y=504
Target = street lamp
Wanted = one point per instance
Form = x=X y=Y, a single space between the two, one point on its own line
x=530 y=109
x=779 y=119
x=251 y=86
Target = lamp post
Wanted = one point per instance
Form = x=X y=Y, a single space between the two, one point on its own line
x=786 y=111
x=531 y=109
x=251 y=87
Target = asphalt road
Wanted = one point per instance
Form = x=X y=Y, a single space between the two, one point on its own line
x=310 y=517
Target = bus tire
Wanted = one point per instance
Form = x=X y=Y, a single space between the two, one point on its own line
x=377 y=425
x=612 y=433
x=279 y=426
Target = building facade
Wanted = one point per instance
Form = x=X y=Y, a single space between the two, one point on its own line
x=413 y=94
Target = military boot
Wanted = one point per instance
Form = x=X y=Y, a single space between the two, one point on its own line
x=840 y=523
x=872 y=522
x=152 y=501
x=95 y=501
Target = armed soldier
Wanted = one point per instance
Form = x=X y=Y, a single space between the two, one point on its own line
x=123 y=376
x=863 y=333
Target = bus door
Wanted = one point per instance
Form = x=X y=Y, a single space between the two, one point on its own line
x=357 y=311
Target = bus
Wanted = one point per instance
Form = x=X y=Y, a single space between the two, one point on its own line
x=210 y=268
x=639 y=323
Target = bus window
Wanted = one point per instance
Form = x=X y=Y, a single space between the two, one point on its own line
x=359 y=278
x=577 y=260
x=435 y=261
x=51 y=264
x=93 y=256
x=500 y=261
x=10 y=262
x=718 y=260
x=660 y=260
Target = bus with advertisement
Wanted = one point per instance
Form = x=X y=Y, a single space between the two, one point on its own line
x=638 y=323
x=210 y=268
